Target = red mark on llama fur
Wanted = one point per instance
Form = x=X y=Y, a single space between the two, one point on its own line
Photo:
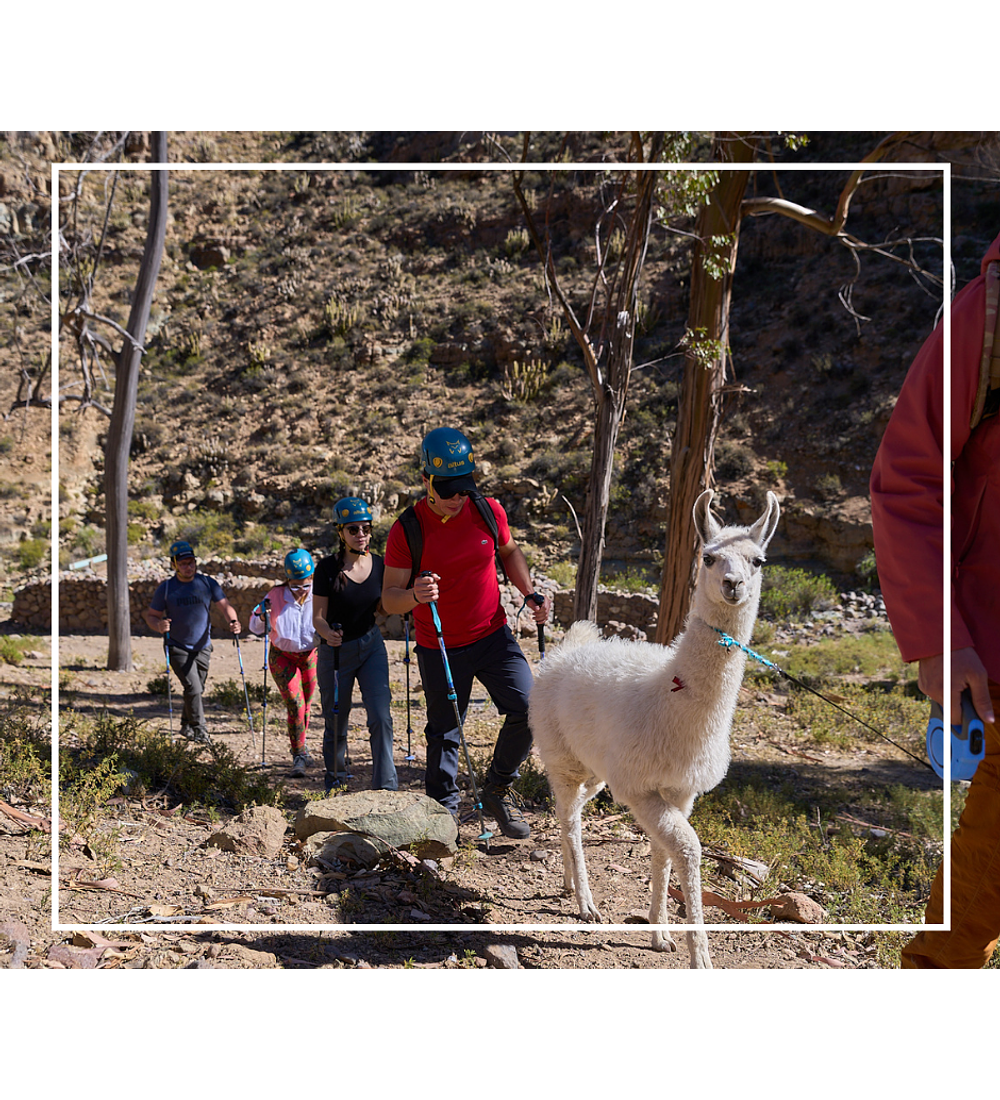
x=679 y=682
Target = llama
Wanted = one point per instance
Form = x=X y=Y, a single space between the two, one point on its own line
x=653 y=722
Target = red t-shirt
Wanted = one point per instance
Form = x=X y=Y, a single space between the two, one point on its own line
x=461 y=552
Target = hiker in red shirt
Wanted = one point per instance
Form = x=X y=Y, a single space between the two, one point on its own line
x=457 y=570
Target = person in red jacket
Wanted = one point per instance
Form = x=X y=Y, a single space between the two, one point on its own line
x=908 y=518
x=458 y=554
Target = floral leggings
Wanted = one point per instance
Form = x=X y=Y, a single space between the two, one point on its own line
x=295 y=675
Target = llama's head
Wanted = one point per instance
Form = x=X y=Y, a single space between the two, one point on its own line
x=731 y=557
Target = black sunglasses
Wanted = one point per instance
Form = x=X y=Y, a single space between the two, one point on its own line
x=447 y=494
x=359 y=528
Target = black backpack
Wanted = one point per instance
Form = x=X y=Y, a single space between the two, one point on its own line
x=415 y=536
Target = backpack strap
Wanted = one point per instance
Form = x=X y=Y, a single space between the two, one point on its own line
x=988 y=393
x=414 y=540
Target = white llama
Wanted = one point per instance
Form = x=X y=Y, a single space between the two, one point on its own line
x=653 y=722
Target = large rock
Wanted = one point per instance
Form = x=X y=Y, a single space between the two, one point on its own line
x=258 y=831
x=403 y=819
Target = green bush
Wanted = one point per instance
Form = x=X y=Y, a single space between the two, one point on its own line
x=794 y=593
x=208 y=776
x=32 y=552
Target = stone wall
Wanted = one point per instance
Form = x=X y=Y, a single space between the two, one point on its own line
x=83 y=603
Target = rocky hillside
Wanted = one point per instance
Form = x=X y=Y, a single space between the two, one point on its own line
x=310 y=326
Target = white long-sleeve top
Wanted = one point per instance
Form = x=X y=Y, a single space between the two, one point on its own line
x=291 y=621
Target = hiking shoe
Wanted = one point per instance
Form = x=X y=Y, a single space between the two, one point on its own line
x=299 y=764
x=197 y=735
x=501 y=803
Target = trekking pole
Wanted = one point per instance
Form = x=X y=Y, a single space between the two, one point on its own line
x=336 y=706
x=246 y=692
x=170 y=690
x=484 y=834
x=265 y=606
x=406 y=661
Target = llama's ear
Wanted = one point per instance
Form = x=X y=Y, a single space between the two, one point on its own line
x=763 y=530
x=705 y=523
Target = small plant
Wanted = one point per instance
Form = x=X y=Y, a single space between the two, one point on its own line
x=523 y=381
x=158 y=685
x=12 y=649
x=340 y=317
x=259 y=352
x=517 y=242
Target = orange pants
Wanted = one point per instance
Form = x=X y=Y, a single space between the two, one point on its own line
x=975 y=876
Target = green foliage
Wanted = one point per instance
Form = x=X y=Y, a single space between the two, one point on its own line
x=867 y=570
x=158 y=685
x=116 y=747
x=793 y=593
x=563 y=573
x=32 y=552
x=517 y=242
x=523 y=381
x=872 y=655
x=229 y=693
x=83 y=801
x=733 y=460
x=681 y=194
x=858 y=878
x=900 y=718
x=631 y=579
x=12 y=649
x=210 y=533
x=705 y=350
x=716 y=257
x=25 y=750
x=341 y=317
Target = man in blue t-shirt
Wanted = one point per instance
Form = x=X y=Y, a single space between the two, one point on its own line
x=179 y=610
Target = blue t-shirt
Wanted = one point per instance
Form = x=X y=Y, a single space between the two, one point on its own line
x=186 y=605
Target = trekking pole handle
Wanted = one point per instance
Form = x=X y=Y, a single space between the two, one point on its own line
x=423 y=573
x=538 y=600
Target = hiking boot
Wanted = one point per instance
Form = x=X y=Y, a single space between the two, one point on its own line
x=197 y=735
x=501 y=803
x=299 y=764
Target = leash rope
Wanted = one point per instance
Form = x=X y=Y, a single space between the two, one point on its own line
x=729 y=642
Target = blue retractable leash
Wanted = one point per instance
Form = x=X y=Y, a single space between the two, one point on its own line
x=728 y=642
x=484 y=833
x=968 y=745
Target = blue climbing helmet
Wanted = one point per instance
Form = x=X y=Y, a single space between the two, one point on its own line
x=180 y=549
x=299 y=565
x=445 y=453
x=351 y=510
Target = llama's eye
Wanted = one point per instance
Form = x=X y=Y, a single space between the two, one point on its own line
x=708 y=560
x=758 y=562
